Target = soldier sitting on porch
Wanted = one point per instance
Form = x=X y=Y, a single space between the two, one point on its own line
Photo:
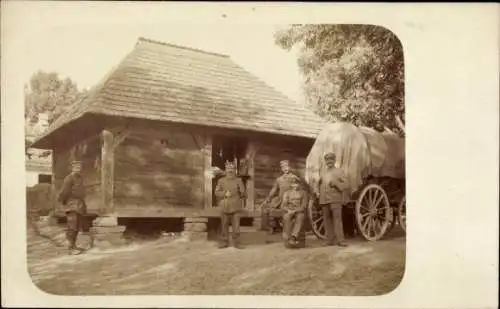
x=294 y=203
x=275 y=197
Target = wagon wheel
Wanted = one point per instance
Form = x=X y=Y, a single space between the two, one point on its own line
x=402 y=213
x=373 y=212
x=315 y=215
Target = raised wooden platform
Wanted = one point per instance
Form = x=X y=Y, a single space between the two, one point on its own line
x=158 y=212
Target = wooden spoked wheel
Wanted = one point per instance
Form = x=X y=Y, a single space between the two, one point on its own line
x=402 y=213
x=373 y=212
x=315 y=215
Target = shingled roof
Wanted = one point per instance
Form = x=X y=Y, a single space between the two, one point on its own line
x=164 y=82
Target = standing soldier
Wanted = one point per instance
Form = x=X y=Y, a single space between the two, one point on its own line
x=72 y=196
x=230 y=191
x=294 y=203
x=275 y=197
x=331 y=187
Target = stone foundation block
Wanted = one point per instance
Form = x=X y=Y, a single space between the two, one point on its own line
x=105 y=221
x=108 y=229
x=195 y=220
x=106 y=232
x=195 y=227
x=192 y=236
x=108 y=240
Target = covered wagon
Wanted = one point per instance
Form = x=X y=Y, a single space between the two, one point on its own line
x=374 y=163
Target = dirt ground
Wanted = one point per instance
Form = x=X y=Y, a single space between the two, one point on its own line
x=173 y=265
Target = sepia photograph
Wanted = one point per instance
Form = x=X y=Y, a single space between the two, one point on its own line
x=180 y=171
x=233 y=158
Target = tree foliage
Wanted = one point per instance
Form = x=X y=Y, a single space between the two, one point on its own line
x=47 y=93
x=50 y=94
x=352 y=73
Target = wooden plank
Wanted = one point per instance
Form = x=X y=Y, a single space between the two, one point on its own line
x=107 y=172
x=250 y=157
x=158 y=211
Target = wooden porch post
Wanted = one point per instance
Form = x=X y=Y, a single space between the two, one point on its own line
x=107 y=172
x=53 y=182
x=207 y=166
x=250 y=157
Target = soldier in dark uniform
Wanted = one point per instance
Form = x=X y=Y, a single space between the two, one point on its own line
x=331 y=187
x=230 y=192
x=294 y=203
x=72 y=196
x=275 y=196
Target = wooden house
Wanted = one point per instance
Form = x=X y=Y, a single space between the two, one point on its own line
x=151 y=131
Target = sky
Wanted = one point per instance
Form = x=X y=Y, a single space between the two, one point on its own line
x=84 y=43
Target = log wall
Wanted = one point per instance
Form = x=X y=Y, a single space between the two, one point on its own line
x=158 y=169
x=89 y=152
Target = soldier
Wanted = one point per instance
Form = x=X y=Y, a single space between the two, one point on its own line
x=72 y=196
x=294 y=203
x=330 y=191
x=275 y=197
x=230 y=191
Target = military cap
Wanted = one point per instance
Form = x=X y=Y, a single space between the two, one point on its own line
x=330 y=156
x=284 y=162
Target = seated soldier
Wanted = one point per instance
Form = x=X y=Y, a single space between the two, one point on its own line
x=294 y=203
x=275 y=198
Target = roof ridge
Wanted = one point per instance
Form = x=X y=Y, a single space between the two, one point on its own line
x=143 y=39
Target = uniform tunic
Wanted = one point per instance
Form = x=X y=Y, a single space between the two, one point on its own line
x=331 y=190
x=331 y=186
x=294 y=200
x=72 y=194
x=282 y=185
x=235 y=186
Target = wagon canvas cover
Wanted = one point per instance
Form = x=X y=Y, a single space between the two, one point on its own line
x=360 y=152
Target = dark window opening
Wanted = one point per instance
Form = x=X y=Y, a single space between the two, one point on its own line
x=43 y=178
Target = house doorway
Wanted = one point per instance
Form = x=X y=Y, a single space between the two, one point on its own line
x=232 y=149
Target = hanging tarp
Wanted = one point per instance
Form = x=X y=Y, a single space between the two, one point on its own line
x=360 y=152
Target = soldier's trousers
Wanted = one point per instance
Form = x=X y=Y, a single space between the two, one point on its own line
x=293 y=223
x=332 y=216
x=232 y=218
x=75 y=222
x=269 y=223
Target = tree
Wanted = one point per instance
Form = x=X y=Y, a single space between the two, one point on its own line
x=351 y=73
x=47 y=93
